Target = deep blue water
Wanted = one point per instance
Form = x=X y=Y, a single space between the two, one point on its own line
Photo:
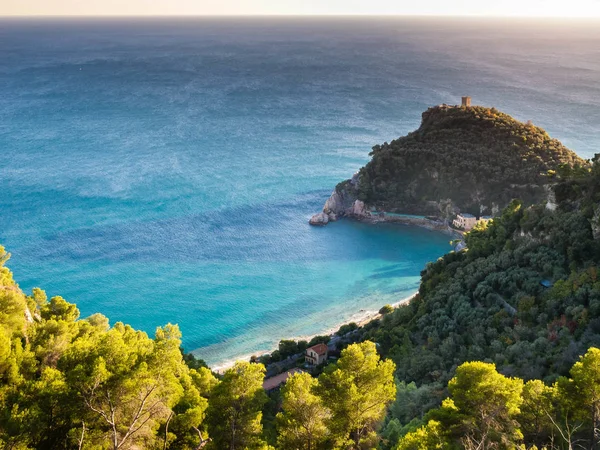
x=164 y=170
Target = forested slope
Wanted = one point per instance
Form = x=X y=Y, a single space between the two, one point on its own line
x=525 y=296
x=475 y=159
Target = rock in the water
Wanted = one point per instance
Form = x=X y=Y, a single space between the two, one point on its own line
x=342 y=199
x=319 y=219
x=334 y=204
x=342 y=202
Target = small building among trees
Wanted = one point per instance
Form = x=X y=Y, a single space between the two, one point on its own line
x=317 y=354
x=485 y=219
x=464 y=221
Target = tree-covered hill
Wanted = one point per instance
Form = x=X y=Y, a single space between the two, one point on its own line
x=475 y=159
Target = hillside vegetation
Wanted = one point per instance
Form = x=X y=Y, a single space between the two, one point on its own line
x=70 y=383
x=525 y=297
x=475 y=159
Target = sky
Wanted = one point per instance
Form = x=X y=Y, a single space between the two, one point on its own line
x=528 y=8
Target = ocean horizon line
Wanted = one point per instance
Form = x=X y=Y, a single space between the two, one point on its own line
x=558 y=19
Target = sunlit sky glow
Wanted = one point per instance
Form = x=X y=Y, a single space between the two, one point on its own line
x=528 y=8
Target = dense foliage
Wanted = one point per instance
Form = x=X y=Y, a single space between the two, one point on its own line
x=525 y=296
x=489 y=410
x=70 y=383
x=472 y=158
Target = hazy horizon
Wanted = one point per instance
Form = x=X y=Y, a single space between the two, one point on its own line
x=462 y=8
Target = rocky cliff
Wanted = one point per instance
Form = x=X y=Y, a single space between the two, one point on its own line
x=343 y=202
x=468 y=159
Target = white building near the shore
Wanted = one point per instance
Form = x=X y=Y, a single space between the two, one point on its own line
x=464 y=221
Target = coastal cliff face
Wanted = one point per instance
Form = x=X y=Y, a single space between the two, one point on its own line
x=343 y=202
x=461 y=159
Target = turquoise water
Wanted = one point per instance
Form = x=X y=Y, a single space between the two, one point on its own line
x=408 y=216
x=164 y=170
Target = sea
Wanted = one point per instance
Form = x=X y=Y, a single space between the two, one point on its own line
x=163 y=170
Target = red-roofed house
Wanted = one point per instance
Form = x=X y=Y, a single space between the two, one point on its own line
x=315 y=355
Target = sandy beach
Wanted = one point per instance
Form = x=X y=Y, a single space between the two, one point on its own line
x=361 y=318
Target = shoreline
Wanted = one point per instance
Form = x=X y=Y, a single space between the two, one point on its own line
x=401 y=219
x=361 y=318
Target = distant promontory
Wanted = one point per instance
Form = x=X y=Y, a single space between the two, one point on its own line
x=469 y=159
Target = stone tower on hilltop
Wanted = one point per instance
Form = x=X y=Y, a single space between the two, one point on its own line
x=466 y=101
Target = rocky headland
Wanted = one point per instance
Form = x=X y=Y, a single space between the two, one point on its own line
x=468 y=159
